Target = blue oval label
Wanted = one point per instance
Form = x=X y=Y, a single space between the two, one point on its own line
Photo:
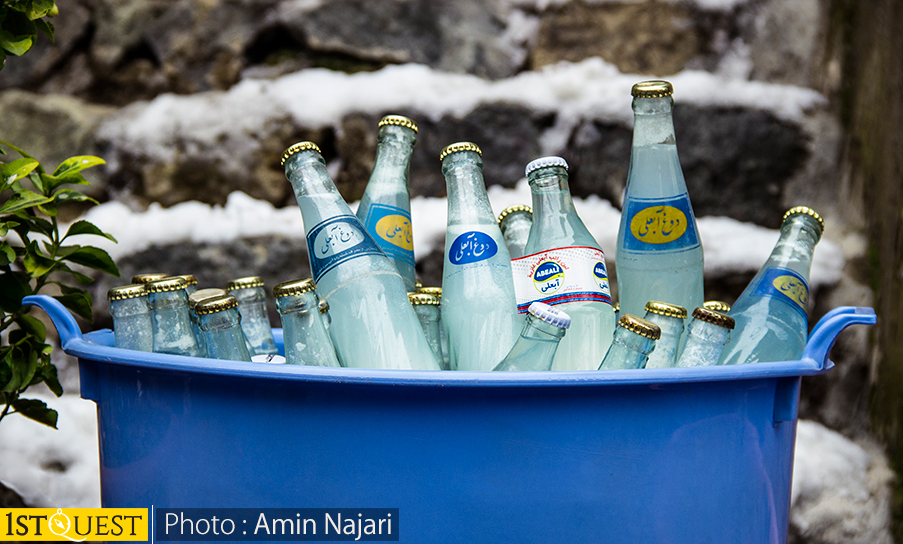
x=548 y=277
x=472 y=247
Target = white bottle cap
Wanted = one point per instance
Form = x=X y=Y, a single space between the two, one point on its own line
x=545 y=162
x=550 y=315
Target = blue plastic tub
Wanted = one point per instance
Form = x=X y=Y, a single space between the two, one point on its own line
x=697 y=455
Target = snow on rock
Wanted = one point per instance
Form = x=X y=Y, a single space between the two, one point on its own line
x=53 y=468
x=841 y=490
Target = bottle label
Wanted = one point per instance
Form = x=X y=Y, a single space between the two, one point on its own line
x=335 y=241
x=560 y=276
x=391 y=228
x=472 y=247
x=660 y=224
x=787 y=285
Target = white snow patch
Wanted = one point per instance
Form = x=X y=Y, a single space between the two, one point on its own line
x=709 y=5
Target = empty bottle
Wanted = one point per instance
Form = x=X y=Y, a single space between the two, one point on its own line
x=717 y=306
x=373 y=325
x=426 y=307
x=171 y=322
x=772 y=312
x=385 y=208
x=141 y=279
x=132 y=327
x=634 y=338
x=659 y=249
x=255 y=322
x=515 y=223
x=193 y=300
x=304 y=333
x=706 y=335
x=670 y=319
x=479 y=310
x=220 y=322
x=535 y=349
x=564 y=265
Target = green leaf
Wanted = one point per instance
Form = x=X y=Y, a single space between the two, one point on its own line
x=17 y=150
x=37 y=410
x=38 y=8
x=86 y=227
x=73 y=165
x=52 y=182
x=23 y=200
x=79 y=277
x=6 y=372
x=68 y=195
x=7 y=254
x=46 y=28
x=23 y=360
x=32 y=223
x=17 y=45
x=36 y=263
x=79 y=303
x=17 y=169
x=14 y=286
x=49 y=373
x=32 y=326
x=6 y=225
x=95 y=258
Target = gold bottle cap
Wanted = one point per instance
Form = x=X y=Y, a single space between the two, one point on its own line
x=652 y=89
x=545 y=162
x=147 y=278
x=189 y=278
x=713 y=317
x=204 y=294
x=294 y=287
x=804 y=210
x=126 y=291
x=665 y=309
x=324 y=306
x=298 y=148
x=717 y=306
x=513 y=209
x=616 y=307
x=417 y=284
x=245 y=283
x=166 y=284
x=399 y=120
x=419 y=299
x=640 y=326
x=437 y=291
x=460 y=146
x=217 y=304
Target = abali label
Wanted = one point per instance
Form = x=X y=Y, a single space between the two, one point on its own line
x=787 y=285
x=664 y=224
x=335 y=241
x=390 y=227
x=472 y=247
x=560 y=276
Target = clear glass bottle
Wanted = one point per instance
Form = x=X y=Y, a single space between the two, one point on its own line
x=717 y=306
x=634 y=338
x=373 y=325
x=220 y=322
x=427 y=309
x=132 y=327
x=479 y=309
x=772 y=312
x=564 y=265
x=670 y=319
x=515 y=222
x=443 y=338
x=324 y=311
x=659 y=248
x=304 y=333
x=252 y=305
x=141 y=279
x=170 y=319
x=385 y=208
x=535 y=348
x=706 y=335
x=193 y=300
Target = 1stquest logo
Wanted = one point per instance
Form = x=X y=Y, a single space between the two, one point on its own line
x=74 y=524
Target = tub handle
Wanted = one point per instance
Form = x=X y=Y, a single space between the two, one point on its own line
x=62 y=319
x=825 y=332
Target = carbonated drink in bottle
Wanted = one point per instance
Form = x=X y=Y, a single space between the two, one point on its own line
x=169 y=316
x=255 y=322
x=426 y=307
x=304 y=333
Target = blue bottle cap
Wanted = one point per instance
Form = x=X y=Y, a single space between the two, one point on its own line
x=550 y=315
x=545 y=162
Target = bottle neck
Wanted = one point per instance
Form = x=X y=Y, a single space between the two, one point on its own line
x=551 y=194
x=467 y=199
x=393 y=157
x=796 y=245
x=516 y=222
x=653 y=121
x=628 y=350
x=537 y=329
x=306 y=171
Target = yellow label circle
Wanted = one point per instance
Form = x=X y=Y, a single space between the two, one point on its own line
x=658 y=224
x=793 y=288
x=396 y=229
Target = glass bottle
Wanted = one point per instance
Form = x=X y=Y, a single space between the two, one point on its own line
x=385 y=208
x=717 y=306
x=171 y=322
x=304 y=333
x=426 y=307
x=634 y=338
x=324 y=311
x=564 y=265
x=132 y=327
x=772 y=312
x=515 y=223
x=479 y=309
x=193 y=300
x=706 y=335
x=220 y=322
x=191 y=283
x=252 y=305
x=443 y=338
x=373 y=325
x=141 y=279
x=670 y=319
x=659 y=248
x=535 y=348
